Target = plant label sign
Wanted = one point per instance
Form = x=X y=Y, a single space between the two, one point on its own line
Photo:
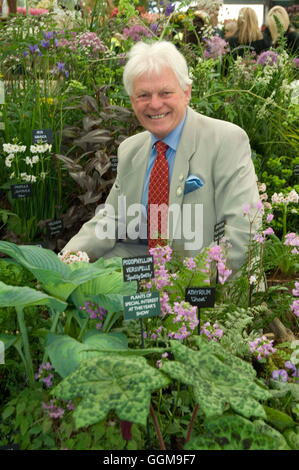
x=296 y=170
x=2 y=96
x=42 y=136
x=114 y=162
x=142 y=305
x=55 y=227
x=19 y=191
x=200 y=296
x=219 y=230
x=138 y=268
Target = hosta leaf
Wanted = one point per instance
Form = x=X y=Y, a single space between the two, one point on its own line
x=57 y=278
x=66 y=353
x=216 y=385
x=15 y=296
x=108 y=281
x=232 y=432
x=97 y=339
x=111 y=383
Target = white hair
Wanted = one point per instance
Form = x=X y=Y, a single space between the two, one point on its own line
x=153 y=58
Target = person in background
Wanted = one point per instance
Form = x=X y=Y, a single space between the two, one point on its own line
x=184 y=163
x=230 y=28
x=248 y=37
x=278 y=24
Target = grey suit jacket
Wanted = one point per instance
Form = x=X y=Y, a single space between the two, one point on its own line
x=216 y=151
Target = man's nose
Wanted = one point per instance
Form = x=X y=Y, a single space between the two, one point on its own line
x=156 y=101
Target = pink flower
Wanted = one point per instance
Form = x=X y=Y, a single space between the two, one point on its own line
x=259 y=205
x=295 y=307
x=189 y=263
x=291 y=239
x=269 y=218
x=268 y=231
x=259 y=238
x=246 y=209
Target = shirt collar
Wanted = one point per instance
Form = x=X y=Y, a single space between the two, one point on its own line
x=172 y=139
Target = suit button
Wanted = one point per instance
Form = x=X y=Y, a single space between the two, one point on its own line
x=181 y=177
x=179 y=191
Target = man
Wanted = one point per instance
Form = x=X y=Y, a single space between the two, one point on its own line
x=209 y=172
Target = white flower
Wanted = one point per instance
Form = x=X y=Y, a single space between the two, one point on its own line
x=28 y=161
x=69 y=257
x=9 y=159
x=13 y=148
x=252 y=280
x=293 y=196
x=43 y=175
x=262 y=187
x=40 y=148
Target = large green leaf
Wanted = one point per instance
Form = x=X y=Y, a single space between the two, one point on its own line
x=111 y=383
x=108 y=281
x=14 y=296
x=66 y=353
x=216 y=385
x=56 y=277
x=232 y=432
x=104 y=341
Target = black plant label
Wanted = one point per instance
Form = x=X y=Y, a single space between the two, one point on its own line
x=200 y=296
x=138 y=268
x=20 y=191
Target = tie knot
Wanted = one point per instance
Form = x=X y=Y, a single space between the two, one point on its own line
x=161 y=147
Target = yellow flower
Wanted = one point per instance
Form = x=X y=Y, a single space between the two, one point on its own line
x=47 y=100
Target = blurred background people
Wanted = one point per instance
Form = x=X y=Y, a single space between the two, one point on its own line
x=278 y=25
x=248 y=36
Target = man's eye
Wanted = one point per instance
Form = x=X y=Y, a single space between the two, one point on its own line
x=166 y=93
x=143 y=96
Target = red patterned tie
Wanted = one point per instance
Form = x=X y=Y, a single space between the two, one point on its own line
x=158 y=199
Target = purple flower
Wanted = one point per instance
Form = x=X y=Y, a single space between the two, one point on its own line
x=61 y=69
x=215 y=47
x=48 y=34
x=169 y=9
x=34 y=49
x=267 y=58
x=45 y=44
x=280 y=374
x=137 y=32
x=296 y=62
x=154 y=27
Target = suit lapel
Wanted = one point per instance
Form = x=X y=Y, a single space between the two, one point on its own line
x=137 y=173
x=185 y=151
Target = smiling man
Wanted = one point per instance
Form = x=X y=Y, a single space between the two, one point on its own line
x=178 y=179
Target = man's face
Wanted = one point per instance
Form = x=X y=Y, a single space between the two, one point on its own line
x=159 y=102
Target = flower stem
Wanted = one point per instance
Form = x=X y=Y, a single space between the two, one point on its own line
x=190 y=427
x=157 y=428
x=27 y=354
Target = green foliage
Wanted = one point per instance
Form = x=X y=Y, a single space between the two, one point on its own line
x=219 y=379
x=232 y=432
x=24 y=422
x=111 y=382
x=60 y=279
x=238 y=329
x=277 y=419
x=66 y=353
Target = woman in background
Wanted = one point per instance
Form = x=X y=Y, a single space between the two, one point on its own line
x=278 y=24
x=248 y=36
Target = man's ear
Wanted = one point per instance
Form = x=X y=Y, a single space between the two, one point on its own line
x=188 y=93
